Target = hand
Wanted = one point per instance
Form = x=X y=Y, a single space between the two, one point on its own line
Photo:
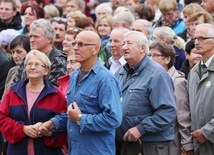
x=197 y=134
x=73 y=112
x=132 y=135
x=45 y=128
x=32 y=130
x=190 y=152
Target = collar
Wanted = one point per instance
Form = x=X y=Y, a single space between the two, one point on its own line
x=135 y=68
x=122 y=61
x=207 y=64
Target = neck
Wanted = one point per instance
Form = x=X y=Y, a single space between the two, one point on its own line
x=86 y=66
x=35 y=85
x=47 y=49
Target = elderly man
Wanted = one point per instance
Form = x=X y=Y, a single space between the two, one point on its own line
x=143 y=26
x=103 y=9
x=9 y=17
x=123 y=19
x=116 y=42
x=147 y=99
x=200 y=89
x=94 y=109
x=42 y=38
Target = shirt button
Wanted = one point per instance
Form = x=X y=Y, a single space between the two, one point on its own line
x=126 y=112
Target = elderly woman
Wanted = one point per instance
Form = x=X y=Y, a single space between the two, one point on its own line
x=164 y=54
x=26 y=105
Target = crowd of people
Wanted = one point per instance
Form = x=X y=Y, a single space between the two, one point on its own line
x=106 y=77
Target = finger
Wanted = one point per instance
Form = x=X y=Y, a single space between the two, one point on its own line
x=125 y=137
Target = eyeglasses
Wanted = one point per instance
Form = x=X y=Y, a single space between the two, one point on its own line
x=81 y=44
x=59 y=19
x=76 y=30
x=155 y=55
x=201 y=38
x=36 y=65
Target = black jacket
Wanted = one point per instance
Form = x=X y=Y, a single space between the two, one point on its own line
x=16 y=23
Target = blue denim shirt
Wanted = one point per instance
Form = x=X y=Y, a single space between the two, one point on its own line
x=147 y=101
x=98 y=97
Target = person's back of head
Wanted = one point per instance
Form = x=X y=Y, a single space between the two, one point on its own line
x=46 y=27
x=51 y=11
x=167 y=34
x=123 y=19
x=145 y=11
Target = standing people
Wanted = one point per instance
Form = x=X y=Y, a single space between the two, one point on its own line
x=94 y=109
x=147 y=101
x=164 y=54
x=200 y=89
x=42 y=38
x=26 y=105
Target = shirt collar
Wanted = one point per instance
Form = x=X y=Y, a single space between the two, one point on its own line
x=207 y=64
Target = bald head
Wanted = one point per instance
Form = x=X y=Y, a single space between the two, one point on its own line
x=89 y=37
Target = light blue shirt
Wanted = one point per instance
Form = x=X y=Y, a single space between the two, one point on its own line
x=98 y=97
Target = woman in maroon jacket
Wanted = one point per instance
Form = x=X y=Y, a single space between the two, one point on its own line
x=29 y=103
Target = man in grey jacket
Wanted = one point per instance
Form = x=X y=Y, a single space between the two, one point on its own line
x=148 y=101
x=200 y=81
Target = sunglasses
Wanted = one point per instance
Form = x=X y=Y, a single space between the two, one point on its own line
x=59 y=19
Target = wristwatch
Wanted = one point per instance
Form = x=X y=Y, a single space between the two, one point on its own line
x=78 y=122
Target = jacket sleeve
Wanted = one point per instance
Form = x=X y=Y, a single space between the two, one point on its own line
x=183 y=114
x=163 y=104
x=58 y=68
x=12 y=130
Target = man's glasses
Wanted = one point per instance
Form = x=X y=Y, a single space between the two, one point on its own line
x=201 y=38
x=81 y=44
x=59 y=19
x=36 y=65
x=155 y=55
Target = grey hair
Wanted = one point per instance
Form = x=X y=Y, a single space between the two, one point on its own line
x=141 y=39
x=46 y=26
x=80 y=4
x=144 y=22
x=124 y=17
x=104 y=5
x=124 y=30
x=209 y=28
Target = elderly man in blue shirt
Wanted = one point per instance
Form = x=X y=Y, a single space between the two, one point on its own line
x=148 y=101
x=94 y=110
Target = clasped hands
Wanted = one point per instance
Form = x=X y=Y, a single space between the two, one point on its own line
x=39 y=129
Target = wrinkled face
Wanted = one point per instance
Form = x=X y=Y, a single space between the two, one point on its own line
x=38 y=40
x=193 y=24
x=71 y=6
x=35 y=68
x=18 y=53
x=72 y=64
x=7 y=12
x=131 y=49
x=67 y=43
x=203 y=41
x=29 y=16
x=169 y=16
x=140 y=28
x=104 y=28
x=116 y=43
x=194 y=57
x=208 y=5
x=59 y=30
x=71 y=23
x=85 y=48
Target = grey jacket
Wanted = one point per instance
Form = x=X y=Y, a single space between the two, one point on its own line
x=201 y=99
x=182 y=125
